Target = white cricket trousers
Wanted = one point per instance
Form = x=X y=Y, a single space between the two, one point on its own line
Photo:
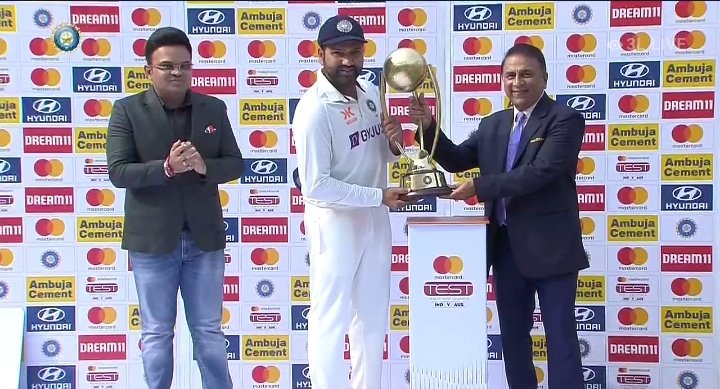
x=350 y=255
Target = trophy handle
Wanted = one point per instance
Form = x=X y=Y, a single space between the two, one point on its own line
x=384 y=110
x=438 y=111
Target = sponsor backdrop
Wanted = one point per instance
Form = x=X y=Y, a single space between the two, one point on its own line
x=642 y=74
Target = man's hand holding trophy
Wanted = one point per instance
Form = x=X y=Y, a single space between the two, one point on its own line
x=405 y=70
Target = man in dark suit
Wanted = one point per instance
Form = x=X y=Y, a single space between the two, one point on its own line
x=169 y=148
x=527 y=157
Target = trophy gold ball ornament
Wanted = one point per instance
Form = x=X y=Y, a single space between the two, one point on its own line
x=405 y=69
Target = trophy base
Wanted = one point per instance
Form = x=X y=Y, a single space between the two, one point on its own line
x=424 y=183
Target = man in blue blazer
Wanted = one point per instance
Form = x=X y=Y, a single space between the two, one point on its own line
x=527 y=155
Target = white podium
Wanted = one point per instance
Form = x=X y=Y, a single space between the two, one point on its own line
x=448 y=302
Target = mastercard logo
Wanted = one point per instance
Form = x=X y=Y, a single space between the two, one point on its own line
x=417 y=44
x=269 y=257
x=577 y=74
x=689 y=40
x=225 y=316
x=263 y=139
x=43 y=46
x=100 y=197
x=302 y=227
x=3 y=47
x=488 y=314
x=448 y=265
x=307 y=78
x=47 y=227
x=307 y=48
x=632 y=316
x=477 y=106
x=683 y=133
x=143 y=17
x=405 y=344
x=6 y=257
x=45 y=77
x=212 y=49
x=477 y=45
x=632 y=196
x=404 y=286
x=224 y=197
x=581 y=43
x=5 y=137
x=370 y=48
x=533 y=40
x=687 y=348
x=102 y=315
x=634 y=104
x=690 y=9
x=93 y=47
x=585 y=166
x=539 y=374
x=97 y=256
x=686 y=287
x=628 y=256
x=472 y=201
x=416 y=17
x=97 y=107
x=631 y=41
x=48 y=168
x=266 y=374
x=262 y=49
x=139 y=47
x=587 y=225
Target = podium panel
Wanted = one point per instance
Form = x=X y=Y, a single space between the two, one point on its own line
x=448 y=302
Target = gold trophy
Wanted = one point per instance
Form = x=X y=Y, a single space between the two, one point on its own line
x=405 y=70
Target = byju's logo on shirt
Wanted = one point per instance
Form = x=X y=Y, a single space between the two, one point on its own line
x=359 y=137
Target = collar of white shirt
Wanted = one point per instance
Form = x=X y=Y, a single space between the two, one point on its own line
x=527 y=112
x=328 y=90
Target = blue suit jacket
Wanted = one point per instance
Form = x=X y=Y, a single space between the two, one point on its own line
x=543 y=220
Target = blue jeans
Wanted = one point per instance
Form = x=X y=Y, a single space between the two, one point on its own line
x=199 y=276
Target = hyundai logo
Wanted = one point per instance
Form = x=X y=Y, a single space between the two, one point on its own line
x=367 y=75
x=634 y=70
x=4 y=166
x=489 y=342
x=687 y=193
x=51 y=315
x=211 y=17
x=584 y=314
x=581 y=103
x=306 y=372
x=264 y=166
x=305 y=313
x=588 y=374
x=46 y=106
x=478 y=13
x=97 y=75
x=51 y=374
x=226 y=225
x=227 y=343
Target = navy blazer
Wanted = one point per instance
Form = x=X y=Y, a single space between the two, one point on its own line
x=543 y=221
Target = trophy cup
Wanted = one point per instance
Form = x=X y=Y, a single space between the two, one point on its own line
x=405 y=70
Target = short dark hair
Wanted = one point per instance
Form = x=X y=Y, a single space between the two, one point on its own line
x=526 y=50
x=166 y=36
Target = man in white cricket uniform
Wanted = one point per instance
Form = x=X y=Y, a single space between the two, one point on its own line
x=343 y=147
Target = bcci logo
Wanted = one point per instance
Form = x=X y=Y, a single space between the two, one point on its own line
x=42 y=18
x=66 y=37
x=311 y=20
x=686 y=228
x=582 y=14
x=584 y=347
x=51 y=348
x=265 y=288
x=50 y=259
x=4 y=289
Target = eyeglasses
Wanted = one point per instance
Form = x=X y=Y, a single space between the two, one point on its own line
x=168 y=67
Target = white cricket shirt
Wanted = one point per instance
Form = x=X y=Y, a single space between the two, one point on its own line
x=342 y=152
